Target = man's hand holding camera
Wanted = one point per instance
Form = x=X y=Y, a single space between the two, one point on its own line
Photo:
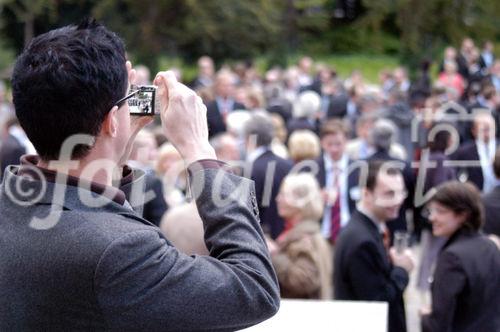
x=184 y=118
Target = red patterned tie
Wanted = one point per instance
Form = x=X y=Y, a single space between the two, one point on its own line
x=335 y=211
x=386 y=240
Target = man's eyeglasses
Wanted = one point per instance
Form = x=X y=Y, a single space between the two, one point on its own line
x=428 y=211
x=132 y=93
x=141 y=100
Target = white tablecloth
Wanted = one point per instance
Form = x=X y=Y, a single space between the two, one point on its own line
x=333 y=316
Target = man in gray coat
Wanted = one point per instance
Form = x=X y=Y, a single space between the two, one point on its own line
x=75 y=253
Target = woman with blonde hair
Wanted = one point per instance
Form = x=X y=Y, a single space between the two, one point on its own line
x=301 y=256
x=303 y=145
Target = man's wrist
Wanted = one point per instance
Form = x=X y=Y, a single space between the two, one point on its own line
x=199 y=152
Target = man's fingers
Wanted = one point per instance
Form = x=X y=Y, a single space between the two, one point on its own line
x=165 y=84
x=166 y=77
x=171 y=80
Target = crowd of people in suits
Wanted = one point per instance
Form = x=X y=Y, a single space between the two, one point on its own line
x=342 y=165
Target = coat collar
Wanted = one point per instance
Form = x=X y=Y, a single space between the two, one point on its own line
x=257 y=153
x=24 y=191
x=461 y=233
x=301 y=229
x=367 y=222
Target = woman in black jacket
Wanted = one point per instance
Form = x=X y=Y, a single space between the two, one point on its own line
x=436 y=173
x=466 y=285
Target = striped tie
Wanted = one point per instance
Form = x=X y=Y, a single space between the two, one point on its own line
x=335 y=211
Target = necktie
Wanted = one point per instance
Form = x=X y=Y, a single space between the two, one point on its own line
x=386 y=240
x=335 y=210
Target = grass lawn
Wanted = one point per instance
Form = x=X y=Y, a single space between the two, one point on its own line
x=369 y=65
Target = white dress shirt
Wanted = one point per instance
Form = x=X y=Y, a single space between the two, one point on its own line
x=255 y=154
x=224 y=105
x=343 y=166
x=486 y=152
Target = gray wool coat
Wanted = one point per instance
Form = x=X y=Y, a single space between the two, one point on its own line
x=103 y=267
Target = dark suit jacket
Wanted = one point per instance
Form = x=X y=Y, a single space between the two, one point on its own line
x=215 y=121
x=469 y=152
x=198 y=83
x=107 y=269
x=268 y=171
x=466 y=286
x=491 y=203
x=363 y=272
x=315 y=86
x=155 y=208
x=10 y=152
x=463 y=68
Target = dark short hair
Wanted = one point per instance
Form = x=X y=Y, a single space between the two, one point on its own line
x=65 y=82
x=333 y=127
x=461 y=198
x=440 y=141
x=374 y=168
x=496 y=164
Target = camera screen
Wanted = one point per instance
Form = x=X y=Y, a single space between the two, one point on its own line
x=143 y=102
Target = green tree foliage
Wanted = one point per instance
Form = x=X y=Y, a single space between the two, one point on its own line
x=426 y=26
x=242 y=29
x=190 y=28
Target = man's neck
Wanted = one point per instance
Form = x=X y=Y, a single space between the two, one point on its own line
x=224 y=98
x=368 y=212
x=84 y=169
x=336 y=161
x=254 y=154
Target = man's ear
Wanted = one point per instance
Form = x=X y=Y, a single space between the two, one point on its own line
x=110 y=124
x=366 y=194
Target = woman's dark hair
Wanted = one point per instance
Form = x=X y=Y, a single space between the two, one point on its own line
x=440 y=141
x=65 y=82
x=462 y=198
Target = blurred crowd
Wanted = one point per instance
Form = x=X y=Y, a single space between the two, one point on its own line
x=298 y=132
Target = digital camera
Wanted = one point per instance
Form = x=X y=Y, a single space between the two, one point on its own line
x=143 y=100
